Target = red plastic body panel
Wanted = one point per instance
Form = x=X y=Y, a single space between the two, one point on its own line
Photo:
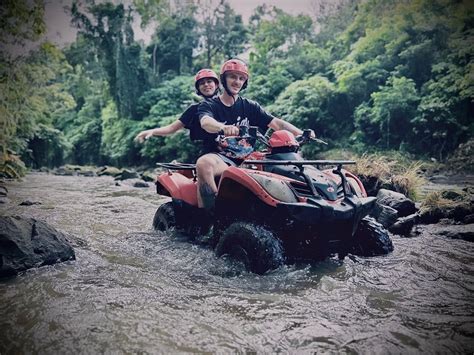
x=244 y=178
x=359 y=183
x=282 y=138
x=179 y=187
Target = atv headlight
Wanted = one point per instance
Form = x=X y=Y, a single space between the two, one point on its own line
x=276 y=188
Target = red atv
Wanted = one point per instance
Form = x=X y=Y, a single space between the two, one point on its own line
x=276 y=207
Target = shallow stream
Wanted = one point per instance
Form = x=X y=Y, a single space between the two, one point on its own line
x=132 y=290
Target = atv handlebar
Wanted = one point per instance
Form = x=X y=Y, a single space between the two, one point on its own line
x=244 y=132
x=306 y=137
x=254 y=133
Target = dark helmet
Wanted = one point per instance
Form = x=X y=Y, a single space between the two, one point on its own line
x=234 y=65
x=205 y=74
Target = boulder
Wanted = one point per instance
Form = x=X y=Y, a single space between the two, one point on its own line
x=140 y=183
x=396 y=200
x=127 y=174
x=64 y=171
x=109 y=171
x=468 y=219
x=385 y=215
x=29 y=203
x=26 y=243
x=430 y=216
x=404 y=225
x=3 y=195
x=148 y=176
x=459 y=213
x=451 y=195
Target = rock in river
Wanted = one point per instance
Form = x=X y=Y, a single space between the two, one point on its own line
x=26 y=243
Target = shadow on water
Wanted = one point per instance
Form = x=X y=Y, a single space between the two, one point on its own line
x=135 y=290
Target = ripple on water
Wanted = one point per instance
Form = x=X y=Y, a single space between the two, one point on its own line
x=133 y=290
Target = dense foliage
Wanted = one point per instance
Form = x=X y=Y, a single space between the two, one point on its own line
x=371 y=75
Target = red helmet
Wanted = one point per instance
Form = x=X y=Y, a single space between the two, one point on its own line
x=204 y=74
x=235 y=65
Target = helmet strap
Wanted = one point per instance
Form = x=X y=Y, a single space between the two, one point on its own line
x=224 y=84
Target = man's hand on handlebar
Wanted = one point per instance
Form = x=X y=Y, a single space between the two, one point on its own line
x=312 y=134
x=229 y=130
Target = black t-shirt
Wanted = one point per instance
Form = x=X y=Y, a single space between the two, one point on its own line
x=190 y=120
x=243 y=112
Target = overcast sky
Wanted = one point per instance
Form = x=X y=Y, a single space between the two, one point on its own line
x=60 y=30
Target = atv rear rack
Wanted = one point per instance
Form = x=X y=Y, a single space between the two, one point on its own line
x=177 y=166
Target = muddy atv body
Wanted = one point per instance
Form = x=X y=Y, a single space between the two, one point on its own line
x=276 y=207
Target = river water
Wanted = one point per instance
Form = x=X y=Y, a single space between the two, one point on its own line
x=132 y=290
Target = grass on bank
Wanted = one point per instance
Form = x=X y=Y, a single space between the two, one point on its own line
x=384 y=170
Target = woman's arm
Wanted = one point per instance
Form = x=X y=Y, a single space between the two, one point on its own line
x=161 y=131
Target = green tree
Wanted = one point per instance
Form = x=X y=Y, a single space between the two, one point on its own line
x=112 y=35
x=85 y=132
x=275 y=31
x=34 y=96
x=223 y=33
x=306 y=103
x=21 y=22
x=173 y=44
x=385 y=120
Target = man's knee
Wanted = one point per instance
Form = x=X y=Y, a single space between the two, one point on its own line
x=205 y=164
x=203 y=161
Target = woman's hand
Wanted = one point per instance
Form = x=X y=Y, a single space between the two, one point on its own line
x=143 y=135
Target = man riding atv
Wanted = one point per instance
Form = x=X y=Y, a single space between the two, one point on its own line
x=274 y=208
x=222 y=116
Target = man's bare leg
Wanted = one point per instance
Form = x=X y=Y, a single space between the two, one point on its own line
x=207 y=168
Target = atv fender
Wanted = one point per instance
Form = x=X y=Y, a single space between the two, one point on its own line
x=353 y=180
x=177 y=186
x=235 y=181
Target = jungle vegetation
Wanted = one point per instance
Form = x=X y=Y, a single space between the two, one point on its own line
x=369 y=75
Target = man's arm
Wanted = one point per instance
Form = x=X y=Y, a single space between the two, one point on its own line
x=210 y=125
x=278 y=124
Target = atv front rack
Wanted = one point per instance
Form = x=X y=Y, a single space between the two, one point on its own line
x=300 y=163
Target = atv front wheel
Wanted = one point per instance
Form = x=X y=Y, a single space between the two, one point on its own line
x=255 y=246
x=371 y=239
x=164 y=217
